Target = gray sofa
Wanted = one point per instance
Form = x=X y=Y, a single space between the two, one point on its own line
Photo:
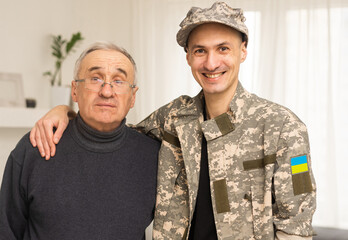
x=324 y=233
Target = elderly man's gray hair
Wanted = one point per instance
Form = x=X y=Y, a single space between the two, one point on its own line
x=103 y=46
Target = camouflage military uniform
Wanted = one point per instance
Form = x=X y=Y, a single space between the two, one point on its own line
x=250 y=151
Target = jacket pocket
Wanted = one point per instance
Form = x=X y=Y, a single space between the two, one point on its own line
x=260 y=173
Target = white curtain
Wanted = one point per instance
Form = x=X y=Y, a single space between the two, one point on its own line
x=297 y=56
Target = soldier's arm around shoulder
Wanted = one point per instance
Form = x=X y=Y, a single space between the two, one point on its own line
x=153 y=125
x=294 y=186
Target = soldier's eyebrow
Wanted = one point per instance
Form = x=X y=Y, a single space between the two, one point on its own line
x=197 y=46
x=222 y=44
x=217 y=45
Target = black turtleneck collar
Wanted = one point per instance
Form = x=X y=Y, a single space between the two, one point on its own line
x=97 y=141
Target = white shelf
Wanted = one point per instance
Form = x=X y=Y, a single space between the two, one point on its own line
x=20 y=117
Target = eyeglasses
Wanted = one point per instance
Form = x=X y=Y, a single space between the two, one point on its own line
x=96 y=84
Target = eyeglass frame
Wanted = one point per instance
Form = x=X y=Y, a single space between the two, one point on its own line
x=132 y=86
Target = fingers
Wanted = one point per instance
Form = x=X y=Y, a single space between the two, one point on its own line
x=42 y=136
x=48 y=131
x=56 y=136
x=32 y=136
x=62 y=125
x=35 y=136
x=51 y=139
x=43 y=145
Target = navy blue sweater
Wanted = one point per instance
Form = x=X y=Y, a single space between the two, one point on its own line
x=98 y=186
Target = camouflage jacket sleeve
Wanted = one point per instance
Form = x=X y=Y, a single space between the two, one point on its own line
x=294 y=189
x=154 y=124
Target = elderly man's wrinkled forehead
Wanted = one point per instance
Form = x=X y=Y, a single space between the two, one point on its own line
x=102 y=46
x=106 y=62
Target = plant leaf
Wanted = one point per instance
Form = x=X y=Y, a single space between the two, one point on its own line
x=58 y=42
x=48 y=73
x=75 y=38
x=58 y=52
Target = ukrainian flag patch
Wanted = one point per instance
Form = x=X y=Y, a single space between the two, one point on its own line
x=299 y=164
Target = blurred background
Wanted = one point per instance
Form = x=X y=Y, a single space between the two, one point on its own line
x=297 y=57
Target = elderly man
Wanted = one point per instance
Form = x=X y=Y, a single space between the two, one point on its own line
x=231 y=165
x=102 y=182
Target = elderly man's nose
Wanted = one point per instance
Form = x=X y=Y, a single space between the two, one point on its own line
x=106 y=90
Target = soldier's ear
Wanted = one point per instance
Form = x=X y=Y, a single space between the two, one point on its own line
x=244 y=52
x=188 y=58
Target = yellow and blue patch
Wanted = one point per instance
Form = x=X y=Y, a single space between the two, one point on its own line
x=299 y=164
x=301 y=179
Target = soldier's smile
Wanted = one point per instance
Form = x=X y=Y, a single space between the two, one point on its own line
x=213 y=76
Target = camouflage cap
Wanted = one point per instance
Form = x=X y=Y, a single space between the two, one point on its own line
x=220 y=12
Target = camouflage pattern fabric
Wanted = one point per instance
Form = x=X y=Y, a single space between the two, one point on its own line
x=219 y=12
x=255 y=188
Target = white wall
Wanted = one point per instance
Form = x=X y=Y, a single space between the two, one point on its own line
x=26 y=28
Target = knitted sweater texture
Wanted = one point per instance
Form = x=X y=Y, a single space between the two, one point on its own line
x=97 y=186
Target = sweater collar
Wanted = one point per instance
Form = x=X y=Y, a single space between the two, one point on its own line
x=98 y=141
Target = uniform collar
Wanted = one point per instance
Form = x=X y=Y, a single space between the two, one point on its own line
x=229 y=121
x=238 y=105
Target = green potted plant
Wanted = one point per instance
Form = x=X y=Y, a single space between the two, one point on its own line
x=61 y=48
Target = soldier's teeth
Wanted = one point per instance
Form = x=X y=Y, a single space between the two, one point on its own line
x=213 y=75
